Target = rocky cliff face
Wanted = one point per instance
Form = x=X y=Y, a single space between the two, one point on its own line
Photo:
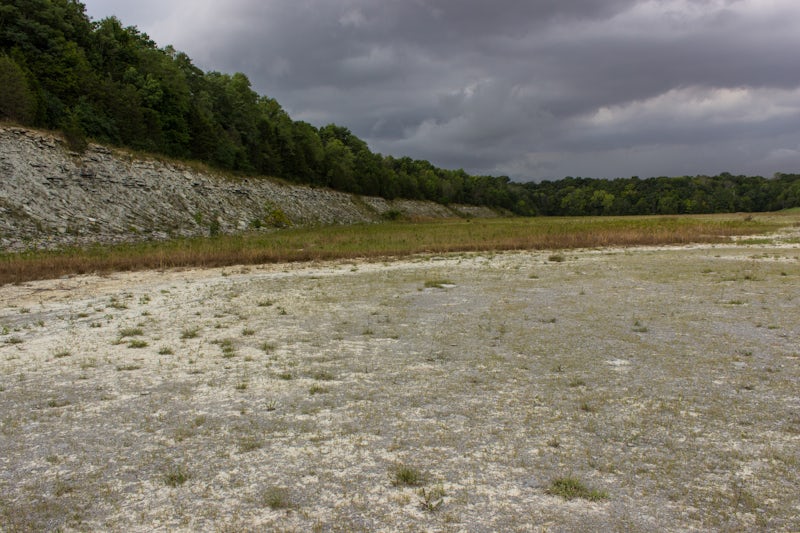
x=51 y=197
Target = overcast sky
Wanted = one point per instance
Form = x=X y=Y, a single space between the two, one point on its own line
x=531 y=89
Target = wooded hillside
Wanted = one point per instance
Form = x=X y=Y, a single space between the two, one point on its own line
x=111 y=83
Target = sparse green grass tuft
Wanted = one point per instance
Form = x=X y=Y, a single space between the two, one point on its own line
x=437 y=283
x=322 y=375
x=250 y=443
x=277 y=498
x=571 y=487
x=431 y=499
x=577 y=382
x=189 y=333
x=136 y=343
x=130 y=332
x=176 y=475
x=228 y=347
x=408 y=476
x=268 y=347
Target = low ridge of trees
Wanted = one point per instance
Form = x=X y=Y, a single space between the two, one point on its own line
x=109 y=82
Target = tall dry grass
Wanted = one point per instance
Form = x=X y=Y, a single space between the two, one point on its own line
x=380 y=241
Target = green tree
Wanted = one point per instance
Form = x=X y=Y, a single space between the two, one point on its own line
x=16 y=99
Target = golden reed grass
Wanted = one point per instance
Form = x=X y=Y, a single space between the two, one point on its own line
x=386 y=240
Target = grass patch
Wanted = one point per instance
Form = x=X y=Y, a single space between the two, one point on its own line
x=380 y=241
x=228 y=348
x=437 y=283
x=571 y=488
x=250 y=443
x=277 y=498
x=189 y=333
x=176 y=475
x=406 y=476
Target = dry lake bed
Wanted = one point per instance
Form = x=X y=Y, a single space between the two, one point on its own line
x=619 y=390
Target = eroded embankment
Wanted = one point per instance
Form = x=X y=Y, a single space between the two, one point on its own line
x=51 y=197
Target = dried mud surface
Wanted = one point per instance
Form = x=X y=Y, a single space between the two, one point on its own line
x=289 y=397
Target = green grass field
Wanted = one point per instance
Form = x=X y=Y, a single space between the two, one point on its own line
x=391 y=239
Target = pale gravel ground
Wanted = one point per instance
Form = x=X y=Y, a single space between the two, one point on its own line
x=669 y=378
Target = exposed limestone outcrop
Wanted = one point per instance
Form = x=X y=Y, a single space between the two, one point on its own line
x=51 y=197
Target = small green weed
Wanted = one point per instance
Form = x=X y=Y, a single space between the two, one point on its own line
x=136 y=343
x=431 y=499
x=317 y=389
x=189 y=333
x=408 y=476
x=268 y=347
x=176 y=475
x=277 y=498
x=322 y=375
x=571 y=487
x=250 y=443
x=228 y=348
x=130 y=332
x=577 y=382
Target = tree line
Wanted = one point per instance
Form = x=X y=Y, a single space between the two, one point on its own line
x=111 y=83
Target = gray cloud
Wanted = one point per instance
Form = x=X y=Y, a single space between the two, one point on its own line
x=531 y=89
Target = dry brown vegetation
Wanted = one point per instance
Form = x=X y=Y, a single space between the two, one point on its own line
x=382 y=240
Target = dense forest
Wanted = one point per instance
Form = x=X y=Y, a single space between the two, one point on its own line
x=111 y=83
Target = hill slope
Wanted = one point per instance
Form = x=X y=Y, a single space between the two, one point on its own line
x=51 y=197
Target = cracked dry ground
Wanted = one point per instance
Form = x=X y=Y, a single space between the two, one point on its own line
x=290 y=397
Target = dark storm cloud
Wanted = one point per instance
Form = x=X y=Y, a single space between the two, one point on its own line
x=531 y=89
